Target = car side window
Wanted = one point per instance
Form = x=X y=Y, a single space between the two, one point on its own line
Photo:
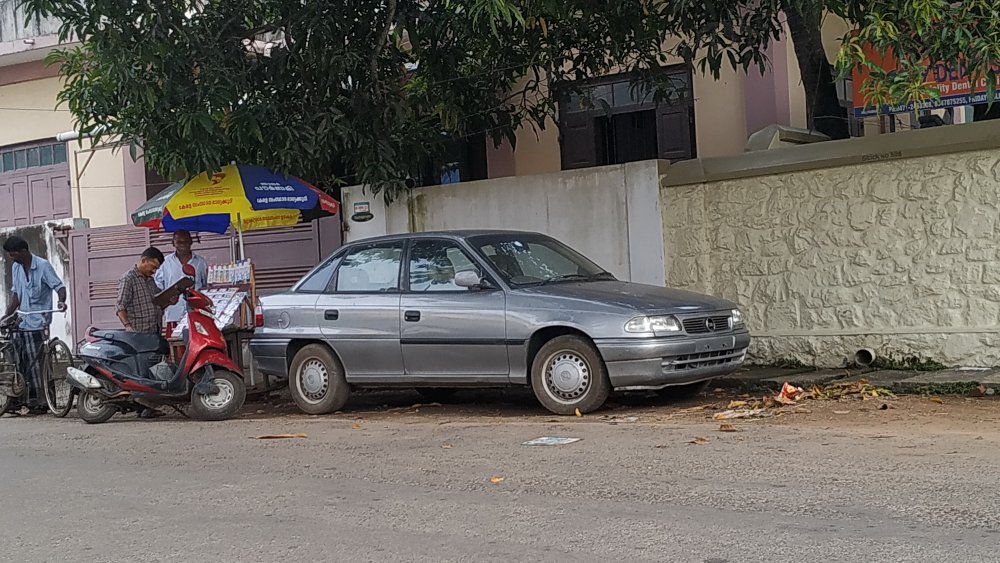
x=370 y=269
x=435 y=263
x=319 y=280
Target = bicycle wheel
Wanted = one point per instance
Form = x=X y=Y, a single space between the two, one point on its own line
x=58 y=391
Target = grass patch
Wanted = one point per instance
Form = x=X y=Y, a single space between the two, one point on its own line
x=907 y=363
x=964 y=388
x=783 y=363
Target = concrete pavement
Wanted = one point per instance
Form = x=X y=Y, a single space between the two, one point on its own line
x=387 y=481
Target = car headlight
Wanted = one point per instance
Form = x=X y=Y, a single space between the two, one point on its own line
x=665 y=323
x=737 y=316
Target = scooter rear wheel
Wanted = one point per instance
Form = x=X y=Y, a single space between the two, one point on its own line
x=232 y=392
x=93 y=409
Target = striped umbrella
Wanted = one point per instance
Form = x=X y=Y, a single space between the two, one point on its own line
x=246 y=197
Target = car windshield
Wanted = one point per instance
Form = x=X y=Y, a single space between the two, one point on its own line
x=536 y=260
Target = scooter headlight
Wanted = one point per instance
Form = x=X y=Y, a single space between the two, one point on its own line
x=83 y=378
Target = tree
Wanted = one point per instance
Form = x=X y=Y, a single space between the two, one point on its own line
x=964 y=35
x=366 y=91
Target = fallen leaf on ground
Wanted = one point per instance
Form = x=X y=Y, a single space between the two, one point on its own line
x=801 y=410
x=741 y=413
x=699 y=441
x=496 y=480
x=279 y=436
x=937 y=400
x=355 y=426
x=694 y=409
x=841 y=412
x=727 y=428
x=446 y=446
x=578 y=413
x=737 y=404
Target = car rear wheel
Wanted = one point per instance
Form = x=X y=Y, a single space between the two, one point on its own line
x=317 y=381
x=568 y=374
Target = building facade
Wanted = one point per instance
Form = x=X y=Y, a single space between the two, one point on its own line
x=41 y=178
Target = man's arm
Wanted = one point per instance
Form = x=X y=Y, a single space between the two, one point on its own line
x=12 y=305
x=51 y=279
x=125 y=293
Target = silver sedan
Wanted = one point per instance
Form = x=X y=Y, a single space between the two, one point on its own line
x=442 y=311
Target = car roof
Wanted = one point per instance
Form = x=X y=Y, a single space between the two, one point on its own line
x=453 y=234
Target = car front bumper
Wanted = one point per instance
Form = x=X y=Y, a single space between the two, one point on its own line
x=656 y=363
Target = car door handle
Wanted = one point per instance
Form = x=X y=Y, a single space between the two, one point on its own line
x=411 y=316
x=331 y=315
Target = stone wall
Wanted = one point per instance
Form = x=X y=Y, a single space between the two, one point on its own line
x=901 y=256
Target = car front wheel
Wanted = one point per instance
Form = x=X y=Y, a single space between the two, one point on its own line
x=317 y=381
x=568 y=374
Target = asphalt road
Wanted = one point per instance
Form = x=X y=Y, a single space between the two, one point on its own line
x=916 y=482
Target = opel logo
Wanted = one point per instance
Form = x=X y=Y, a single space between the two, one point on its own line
x=710 y=325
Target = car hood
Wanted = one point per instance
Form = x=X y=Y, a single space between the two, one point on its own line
x=634 y=296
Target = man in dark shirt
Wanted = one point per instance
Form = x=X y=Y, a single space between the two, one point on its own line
x=136 y=290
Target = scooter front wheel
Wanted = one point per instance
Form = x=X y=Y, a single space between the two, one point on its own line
x=93 y=409
x=225 y=402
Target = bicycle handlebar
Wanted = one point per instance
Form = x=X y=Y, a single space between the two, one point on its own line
x=39 y=312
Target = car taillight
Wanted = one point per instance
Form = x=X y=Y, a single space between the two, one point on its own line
x=258 y=315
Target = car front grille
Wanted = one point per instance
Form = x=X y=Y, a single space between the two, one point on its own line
x=704 y=360
x=707 y=325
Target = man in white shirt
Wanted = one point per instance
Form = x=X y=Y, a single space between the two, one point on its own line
x=172 y=270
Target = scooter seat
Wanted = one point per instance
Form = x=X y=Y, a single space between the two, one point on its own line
x=140 y=342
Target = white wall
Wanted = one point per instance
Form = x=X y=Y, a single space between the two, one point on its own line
x=611 y=214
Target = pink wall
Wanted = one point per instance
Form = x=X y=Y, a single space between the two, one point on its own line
x=499 y=160
x=766 y=97
x=26 y=72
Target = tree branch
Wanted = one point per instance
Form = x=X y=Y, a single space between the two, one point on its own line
x=380 y=43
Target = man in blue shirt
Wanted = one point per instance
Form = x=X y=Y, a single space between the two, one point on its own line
x=33 y=281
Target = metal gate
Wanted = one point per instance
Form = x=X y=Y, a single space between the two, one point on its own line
x=33 y=196
x=99 y=257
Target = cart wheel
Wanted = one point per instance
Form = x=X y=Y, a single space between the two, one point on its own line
x=58 y=391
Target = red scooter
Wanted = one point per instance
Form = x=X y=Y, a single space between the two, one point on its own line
x=128 y=371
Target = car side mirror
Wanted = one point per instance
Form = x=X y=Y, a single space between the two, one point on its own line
x=468 y=279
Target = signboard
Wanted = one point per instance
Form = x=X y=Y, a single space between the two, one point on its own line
x=362 y=212
x=951 y=81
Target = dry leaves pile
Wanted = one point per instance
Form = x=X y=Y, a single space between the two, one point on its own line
x=789 y=400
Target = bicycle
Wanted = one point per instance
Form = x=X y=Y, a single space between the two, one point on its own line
x=54 y=357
